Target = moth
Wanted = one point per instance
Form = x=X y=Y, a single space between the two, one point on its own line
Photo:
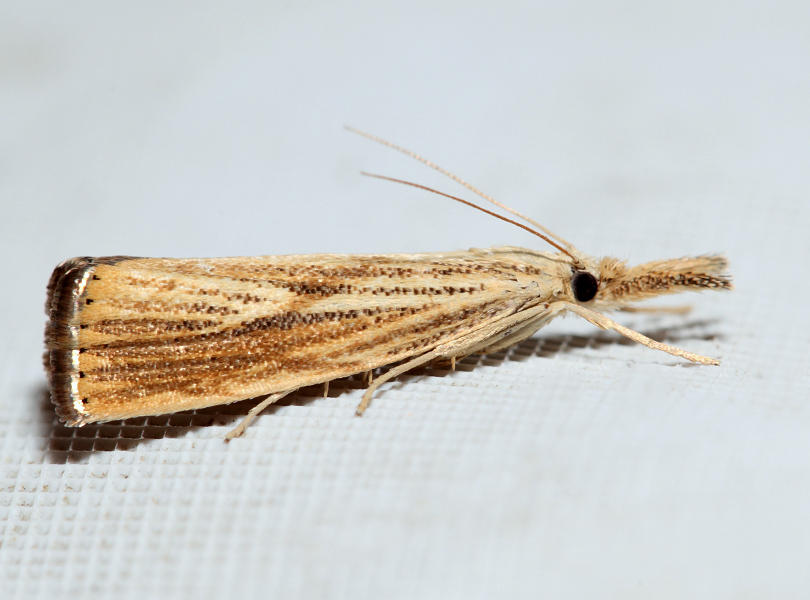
x=132 y=336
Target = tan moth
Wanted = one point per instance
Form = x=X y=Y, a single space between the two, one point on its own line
x=134 y=336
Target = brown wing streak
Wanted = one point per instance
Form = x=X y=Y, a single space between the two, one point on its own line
x=132 y=337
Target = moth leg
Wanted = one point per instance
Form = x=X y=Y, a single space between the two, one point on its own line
x=460 y=346
x=445 y=363
x=390 y=374
x=326 y=389
x=525 y=329
x=604 y=322
x=668 y=310
x=513 y=337
x=254 y=412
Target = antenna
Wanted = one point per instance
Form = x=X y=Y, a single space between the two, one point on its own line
x=474 y=205
x=460 y=181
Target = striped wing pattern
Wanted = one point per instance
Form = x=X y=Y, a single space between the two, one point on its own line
x=136 y=336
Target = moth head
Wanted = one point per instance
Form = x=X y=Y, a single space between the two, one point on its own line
x=602 y=284
x=609 y=283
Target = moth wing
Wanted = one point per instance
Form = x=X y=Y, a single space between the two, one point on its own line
x=132 y=336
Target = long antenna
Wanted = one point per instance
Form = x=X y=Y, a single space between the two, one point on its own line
x=474 y=205
x=458 y=180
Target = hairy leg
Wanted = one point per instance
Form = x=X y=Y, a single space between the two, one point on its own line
x=604 y=322
x=254 y=412
x=460 y=346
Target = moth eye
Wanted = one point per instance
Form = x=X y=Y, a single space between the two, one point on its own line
x=585 y=286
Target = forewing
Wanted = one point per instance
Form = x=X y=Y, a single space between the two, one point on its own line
x=132 y=336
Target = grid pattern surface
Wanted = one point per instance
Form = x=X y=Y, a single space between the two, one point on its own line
x=572 y=465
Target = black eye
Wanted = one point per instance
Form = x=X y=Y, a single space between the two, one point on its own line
x=585 y=286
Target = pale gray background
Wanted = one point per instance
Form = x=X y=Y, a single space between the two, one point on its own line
x=573 y=466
